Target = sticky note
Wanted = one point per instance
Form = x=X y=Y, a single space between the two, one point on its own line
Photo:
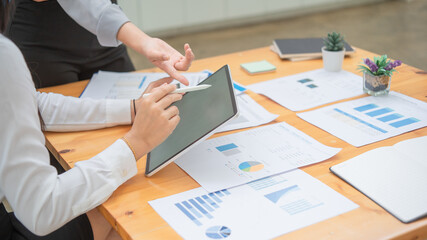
x=258 y=67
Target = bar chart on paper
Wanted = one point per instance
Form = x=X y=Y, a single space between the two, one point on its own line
x=367 y=120
x=202 y=206
x=261 y=209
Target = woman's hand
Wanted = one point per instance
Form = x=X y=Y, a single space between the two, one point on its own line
x=157 y=51
x=167 y=58
x=155 y=119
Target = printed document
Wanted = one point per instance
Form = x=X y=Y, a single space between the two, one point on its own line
x=370 y=119
x=310 y=89
x=263 y=209
x=115 y=85
x=251 y=114
x=239 y=158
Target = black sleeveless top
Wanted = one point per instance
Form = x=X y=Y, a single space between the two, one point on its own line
x=47 y=35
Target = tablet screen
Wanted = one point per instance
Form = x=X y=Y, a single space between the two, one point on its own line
x=201 y=112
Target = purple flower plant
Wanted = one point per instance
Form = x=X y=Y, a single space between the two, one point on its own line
x=392 y=65
x=372 y=66
x=380 y=66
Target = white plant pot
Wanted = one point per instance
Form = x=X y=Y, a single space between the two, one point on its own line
x=332 y=61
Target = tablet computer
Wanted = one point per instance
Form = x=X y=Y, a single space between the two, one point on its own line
x=201 y=113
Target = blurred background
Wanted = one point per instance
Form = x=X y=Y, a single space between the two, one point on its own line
x=397 y=28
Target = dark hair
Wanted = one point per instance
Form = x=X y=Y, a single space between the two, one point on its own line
x=5 y=8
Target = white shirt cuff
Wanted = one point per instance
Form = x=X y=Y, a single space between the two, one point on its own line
x=118 y=111
x=121 y=161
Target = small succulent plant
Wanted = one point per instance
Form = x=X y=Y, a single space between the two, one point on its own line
x=334 y=42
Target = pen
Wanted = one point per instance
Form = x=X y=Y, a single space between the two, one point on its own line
x=186 y=89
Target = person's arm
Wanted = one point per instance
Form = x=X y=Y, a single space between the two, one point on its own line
x=111 y=26
x=43 y=200
x=99 y=17
x=64 y=114
x=157 y=51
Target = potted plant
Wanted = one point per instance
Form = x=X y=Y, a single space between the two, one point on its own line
x=377 y=74
x=333 y=52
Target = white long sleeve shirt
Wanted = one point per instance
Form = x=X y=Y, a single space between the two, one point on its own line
x=99 y=17
x=41 y=199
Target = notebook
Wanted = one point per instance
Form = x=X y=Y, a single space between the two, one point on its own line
x=394 y=177
x=303 y=47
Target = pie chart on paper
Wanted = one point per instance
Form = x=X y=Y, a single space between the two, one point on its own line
x=251 y=166
x=218 y=232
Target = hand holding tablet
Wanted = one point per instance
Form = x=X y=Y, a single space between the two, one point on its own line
x=201 y=113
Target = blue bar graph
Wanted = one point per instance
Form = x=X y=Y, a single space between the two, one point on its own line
x=142 y=82
x=210 y=201
x=304 y=80
x=366 y=107
x=215 y=197
x=204 y=204
x=225 y=191
x=202 y=210
x=192 y=210
x=191 y=217
x=360 y=120
x=219 y=193
x=390 y=117
x=404 y=122
x=202 y=207
x=226 y=147
x=379 y=112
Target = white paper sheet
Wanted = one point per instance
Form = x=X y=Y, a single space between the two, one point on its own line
x=239 y=158
x=251 y=114
x=310 y=89
x=370 y=119
x=263 y=209
x=114 y=85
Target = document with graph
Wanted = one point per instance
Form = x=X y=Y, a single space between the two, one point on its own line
x=251 y=114
x=116 y=85
x=263 y=209
x=239 y=158
x=310 y=89
x=370 y=119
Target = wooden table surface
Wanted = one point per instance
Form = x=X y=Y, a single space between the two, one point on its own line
x=128 y=211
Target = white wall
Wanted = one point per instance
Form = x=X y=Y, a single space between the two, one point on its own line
x=170 y=17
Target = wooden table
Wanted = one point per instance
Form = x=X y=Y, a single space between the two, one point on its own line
x=128 y=211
